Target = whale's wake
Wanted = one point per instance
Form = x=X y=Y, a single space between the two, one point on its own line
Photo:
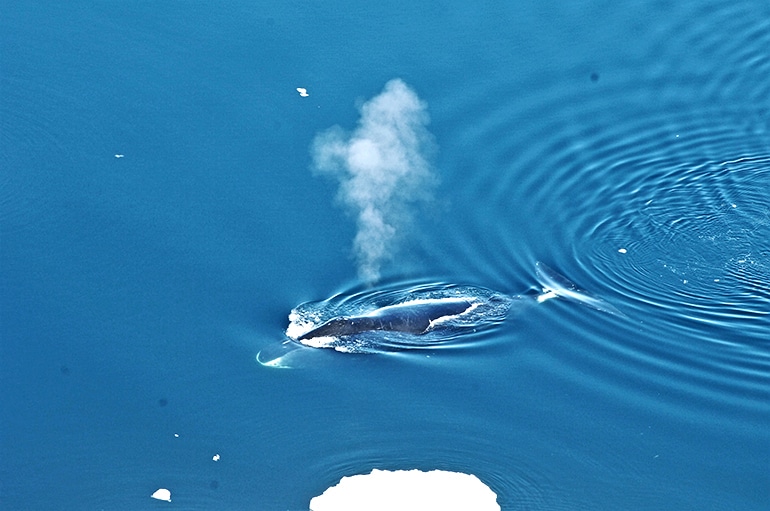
x=429 y=316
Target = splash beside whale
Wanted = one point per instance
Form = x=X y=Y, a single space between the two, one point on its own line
x=420 y=317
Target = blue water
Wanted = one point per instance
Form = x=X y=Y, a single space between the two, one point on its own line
x=161 y=217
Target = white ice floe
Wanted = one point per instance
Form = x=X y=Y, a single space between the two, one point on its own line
x=407 y=490
x=162 y=494
x=302 y=92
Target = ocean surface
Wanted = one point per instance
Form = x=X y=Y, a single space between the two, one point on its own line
x=168 y=197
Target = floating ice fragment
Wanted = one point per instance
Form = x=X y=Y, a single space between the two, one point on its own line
x=162 y=494
x=622 y=250
x=407 y=490
x=302 y=92
x=216 y=457
x=734 y=205
x=119 y=155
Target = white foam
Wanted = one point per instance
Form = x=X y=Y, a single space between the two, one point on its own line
x=407 y=490
x=546 y=295
x=298 y=326
x=323 y=341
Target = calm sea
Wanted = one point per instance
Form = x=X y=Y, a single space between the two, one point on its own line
x=164 y=206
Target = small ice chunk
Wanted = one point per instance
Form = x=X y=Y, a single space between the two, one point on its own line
x=407 y=490
x=119 y=155
x=302 y=92
x=622 y=250
x=162 y=494
x=216 y=457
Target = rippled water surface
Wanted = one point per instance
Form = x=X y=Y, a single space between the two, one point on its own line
x=168 y=198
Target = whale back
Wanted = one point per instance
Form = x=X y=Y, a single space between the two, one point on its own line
x=415 y=317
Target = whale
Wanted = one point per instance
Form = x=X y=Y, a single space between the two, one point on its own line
x=418 y=316
x=424 y=316
x=415 y=317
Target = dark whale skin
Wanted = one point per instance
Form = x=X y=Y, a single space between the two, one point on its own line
x=414 y=317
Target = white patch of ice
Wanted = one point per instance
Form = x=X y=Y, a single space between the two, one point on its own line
x=407 y=490
x=162 y=494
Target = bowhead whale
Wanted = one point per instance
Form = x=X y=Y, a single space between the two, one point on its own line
x=423 y=316
x=414 y=317
x=420 y=316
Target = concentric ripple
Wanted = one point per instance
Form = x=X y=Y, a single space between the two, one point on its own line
x=646 y=181
x=668 y=210
x=656 y=188
x=693 y=241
